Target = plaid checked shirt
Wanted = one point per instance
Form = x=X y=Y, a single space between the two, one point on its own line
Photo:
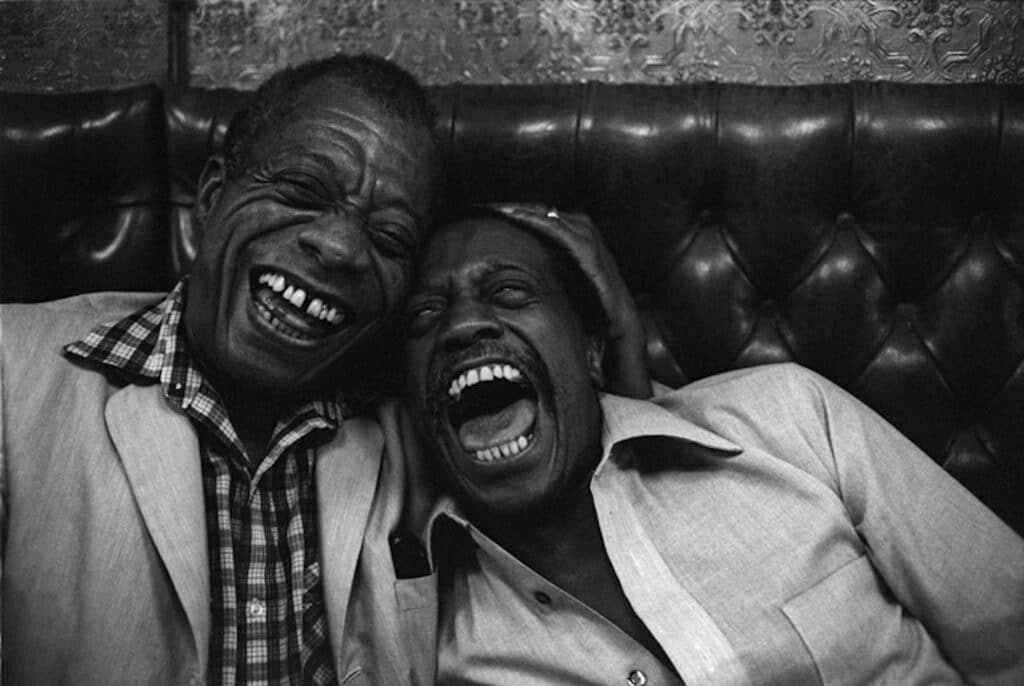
x=269 y=623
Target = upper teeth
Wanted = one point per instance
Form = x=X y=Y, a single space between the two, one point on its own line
x=315 y=307
x=487 y=372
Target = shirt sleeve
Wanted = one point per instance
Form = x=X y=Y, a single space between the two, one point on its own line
x=950 y=561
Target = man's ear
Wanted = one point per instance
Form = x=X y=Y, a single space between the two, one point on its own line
x=211 y=183
x=595 y=358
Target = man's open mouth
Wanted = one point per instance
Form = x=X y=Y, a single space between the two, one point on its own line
x=294 y=309
x=492 y=409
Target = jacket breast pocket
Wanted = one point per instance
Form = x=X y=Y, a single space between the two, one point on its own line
x=417 y=594
x=417 y=605
x=849 y=623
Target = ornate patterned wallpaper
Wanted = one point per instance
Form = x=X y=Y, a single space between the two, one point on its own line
x=237 y=42
x=79 y=44
x=59 y=45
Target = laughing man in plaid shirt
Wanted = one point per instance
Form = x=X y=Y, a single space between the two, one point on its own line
x=183 y=501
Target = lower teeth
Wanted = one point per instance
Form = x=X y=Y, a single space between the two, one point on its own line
x=495 y=453
x=278 y=325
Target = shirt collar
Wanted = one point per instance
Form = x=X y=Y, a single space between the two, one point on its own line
x=136 y=346
x=624 y=419
x=150 y=346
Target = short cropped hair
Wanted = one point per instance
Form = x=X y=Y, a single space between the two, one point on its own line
x=393 y=89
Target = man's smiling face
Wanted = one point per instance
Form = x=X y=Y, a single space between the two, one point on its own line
x=502 y=376
x=310 y=249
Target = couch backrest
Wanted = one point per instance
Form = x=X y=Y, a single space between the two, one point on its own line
x=83 y=193
x=873 y=232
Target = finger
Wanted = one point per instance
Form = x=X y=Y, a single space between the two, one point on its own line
x=517 y=208
x=574 y=232
x=549 y=221
x=580 y=239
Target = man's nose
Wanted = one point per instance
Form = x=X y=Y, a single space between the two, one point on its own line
x=338 y=240
x=470 y=322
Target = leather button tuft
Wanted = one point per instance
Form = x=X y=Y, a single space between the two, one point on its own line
x=542 y=598
x=845 y=221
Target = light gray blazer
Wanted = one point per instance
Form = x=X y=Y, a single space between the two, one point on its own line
x=104 y=570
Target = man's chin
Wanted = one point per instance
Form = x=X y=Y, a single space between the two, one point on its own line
x=266 y=376
x=270 y=366
x=498 y=501
x=505 y=510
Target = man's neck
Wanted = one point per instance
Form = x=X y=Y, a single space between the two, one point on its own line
x=254 y=415
x=565 y=531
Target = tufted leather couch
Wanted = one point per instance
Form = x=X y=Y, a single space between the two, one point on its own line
x=873 y=232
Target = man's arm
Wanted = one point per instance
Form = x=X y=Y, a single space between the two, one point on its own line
x=949 y=560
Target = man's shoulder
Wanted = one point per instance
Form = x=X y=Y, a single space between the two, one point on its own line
x=99 y=306
x=69 y=318
x=33 y=336
x=760 y=379
x=39 y=382
x=759 y=395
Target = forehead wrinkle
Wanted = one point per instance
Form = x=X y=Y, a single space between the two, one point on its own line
x=387 y=134
x=381 y=179
x=379 y=139
x=341 y=143
x=344 y=108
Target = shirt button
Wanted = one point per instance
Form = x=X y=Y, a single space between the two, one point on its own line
x=255 y=608
x=542 y=598
x=636 y=678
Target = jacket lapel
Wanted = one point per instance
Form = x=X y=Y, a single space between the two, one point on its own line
x=160 y=452
x=347 y=470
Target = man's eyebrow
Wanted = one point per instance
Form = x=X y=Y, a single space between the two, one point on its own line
x=383 y=196
x=502 y=266
x=298 y=159
x=442 y=279
x=303 y=156
x=507 y=264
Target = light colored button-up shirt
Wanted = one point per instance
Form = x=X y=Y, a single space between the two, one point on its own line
x=767 y=528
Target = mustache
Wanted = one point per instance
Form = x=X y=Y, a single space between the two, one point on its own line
x=441 y=365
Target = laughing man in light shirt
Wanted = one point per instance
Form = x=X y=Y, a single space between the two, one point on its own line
x=757 y=527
